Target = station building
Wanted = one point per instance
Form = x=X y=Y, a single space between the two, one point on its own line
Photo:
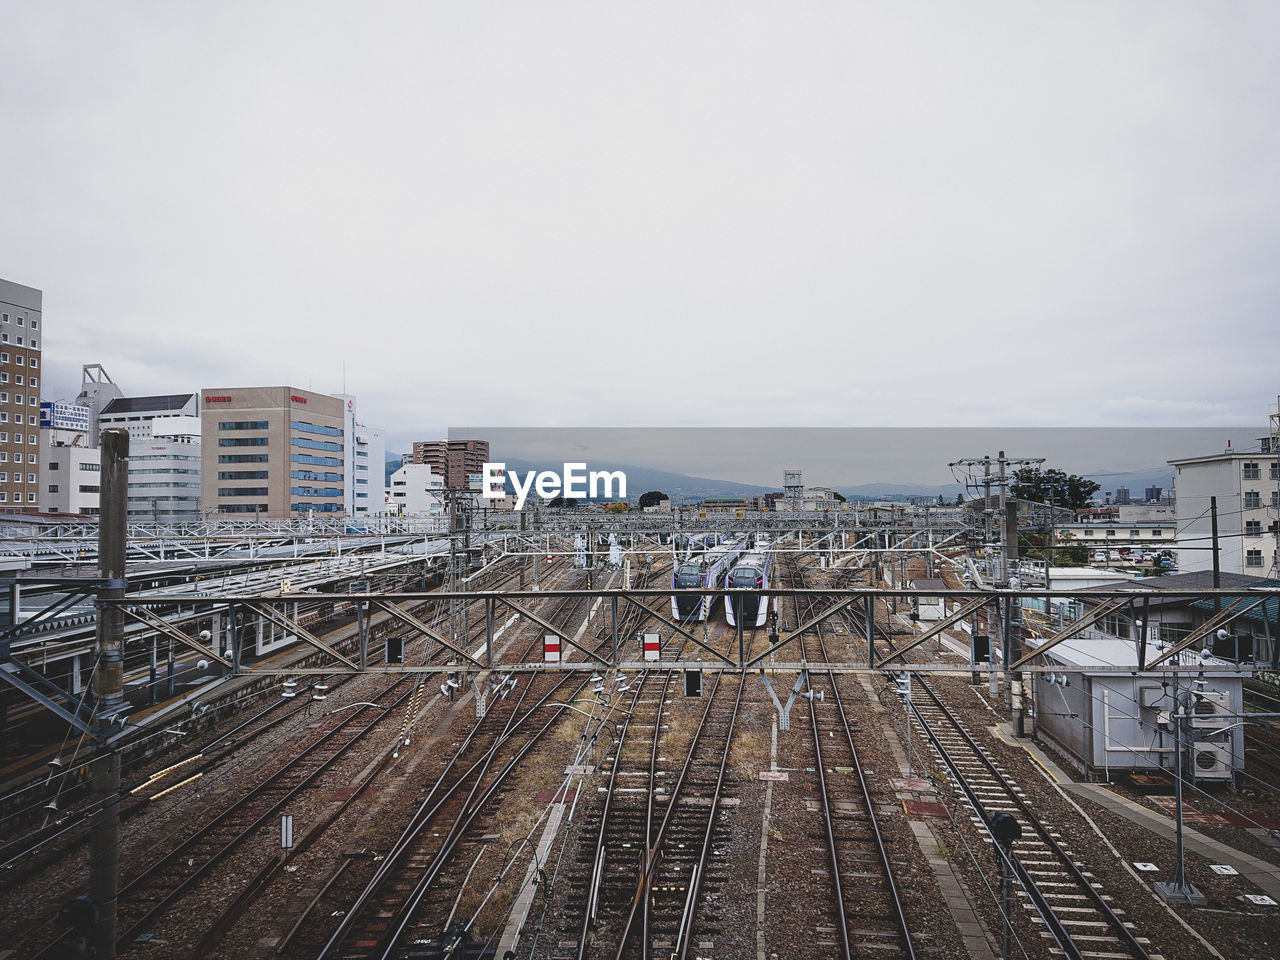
x=272 y=452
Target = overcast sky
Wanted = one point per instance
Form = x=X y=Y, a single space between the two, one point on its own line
x=657 y=214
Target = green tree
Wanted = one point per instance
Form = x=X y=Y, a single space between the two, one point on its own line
x=959 y=499
x=1053 y=486
x=838 y=495
x=560 y=503
x=652 y=498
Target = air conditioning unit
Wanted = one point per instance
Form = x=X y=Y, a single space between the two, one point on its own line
x=1211 y=761
x=1211 y=710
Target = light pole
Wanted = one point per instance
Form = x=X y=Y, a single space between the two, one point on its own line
x=1176 y=889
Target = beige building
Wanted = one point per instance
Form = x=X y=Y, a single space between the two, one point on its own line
x=271 y=452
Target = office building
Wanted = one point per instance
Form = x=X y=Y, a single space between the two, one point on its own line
x=20 y=336
x=364 y=449
x=71 y=478
x=272 y=452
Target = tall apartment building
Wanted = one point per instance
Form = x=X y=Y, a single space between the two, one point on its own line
x=365 y=451
x=271 y=451
x=1247 y=486
x=20 y=336
x=454 y=460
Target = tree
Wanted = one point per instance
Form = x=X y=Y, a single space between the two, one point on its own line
x=1053 y=486
x=959 y=499
x=560 y=503
x=941 y=502
x=838 y=495
x=652 y=498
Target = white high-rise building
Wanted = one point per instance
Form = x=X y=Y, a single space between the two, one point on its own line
x=417 y=492
x=364 y=450
x=1248 y=502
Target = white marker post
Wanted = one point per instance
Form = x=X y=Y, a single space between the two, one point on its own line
x=550 y=648
x=652 y=646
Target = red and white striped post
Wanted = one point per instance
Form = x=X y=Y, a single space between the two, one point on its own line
x=652 y=646
x=550 y=648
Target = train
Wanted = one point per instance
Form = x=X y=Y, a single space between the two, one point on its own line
x=751 y=570
x=704 y=570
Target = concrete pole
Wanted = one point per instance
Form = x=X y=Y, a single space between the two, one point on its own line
x=108 y=688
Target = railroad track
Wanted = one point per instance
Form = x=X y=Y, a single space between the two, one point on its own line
x=868 y=913
x=369 y=909
x=1063 y=903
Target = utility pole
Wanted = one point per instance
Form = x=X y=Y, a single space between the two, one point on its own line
x=1217 y=560
x=108 y=689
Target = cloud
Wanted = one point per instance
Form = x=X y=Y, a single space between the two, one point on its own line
x=918 y=214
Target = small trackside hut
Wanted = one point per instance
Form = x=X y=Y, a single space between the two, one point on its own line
x=1109 y=719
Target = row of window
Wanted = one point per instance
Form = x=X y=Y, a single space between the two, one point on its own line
x=20 y=418
x=243 y=425
x=53 y=487
x=17 y=498
x=242 y=441
x=17 y=437
x=19 y=359
x=316 y=491
x=242 y=491
x=20 y=320
x=179 y=470
x=18 y=398
x=164 y=456
x=316 y=461
x=242 y=475
x=19 y=380
x=242 y=508
x=315 y=428
x=1253 y=471
x=316 y=507
x=313 y=444
x=241 y=458
x=17 y=478
x=17 y=458
x=315 y=477
x=1253 y=528
x=191 y=486
x=34 y=344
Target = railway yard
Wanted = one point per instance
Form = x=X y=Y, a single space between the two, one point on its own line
x=516 y=772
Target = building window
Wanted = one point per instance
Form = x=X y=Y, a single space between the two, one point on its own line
x=242 y=508
x=4 y=497
x=311 y=444
x=241 y=458
x=18 y=379
x=31 y=498
x=18 y=360
x=1135 y=534
x=1253 y=528
x=33 y=381
x=35 y=363
x=22 y=321
x=1157 y=533
x=1111 y=532
x=4 y=437
x=91 y=467
x=242 y=491
x=242 y=474
x=316 y=461
x=1253 y=558
x=1252 y=500
x=243 y=425
x=242 y=441
x=1251 y=471
x=35 y=324
x=315 y=428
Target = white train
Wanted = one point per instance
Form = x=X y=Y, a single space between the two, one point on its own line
x=705 y=570
x=751 y=571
